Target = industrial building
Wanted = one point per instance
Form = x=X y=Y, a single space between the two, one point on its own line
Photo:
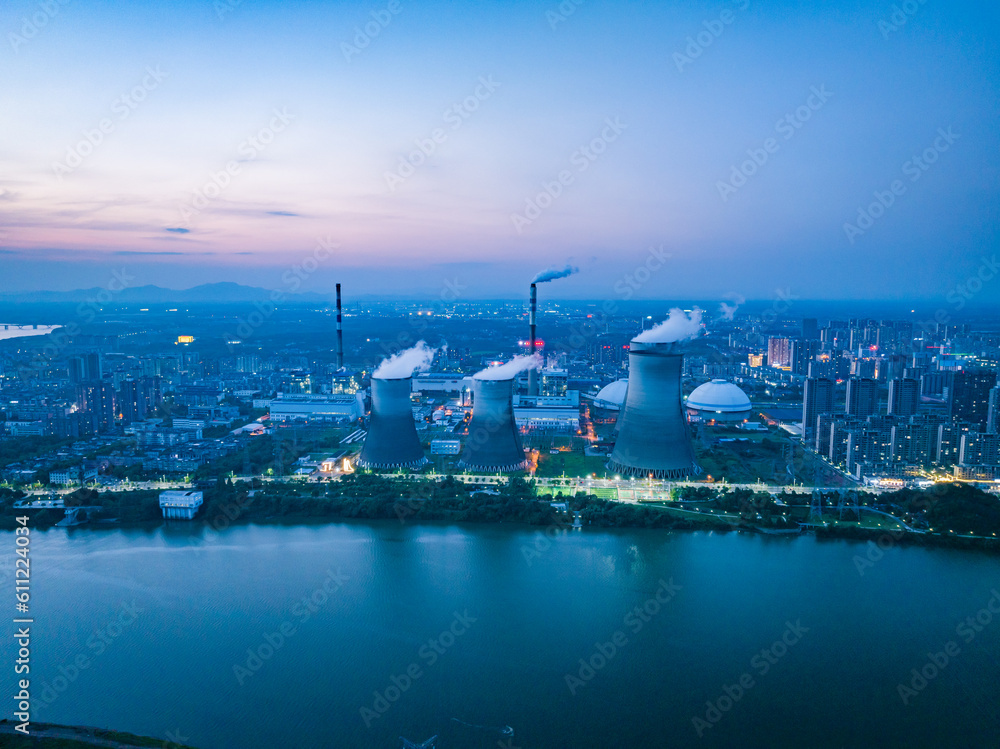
x=324 y=408
x=548 y=413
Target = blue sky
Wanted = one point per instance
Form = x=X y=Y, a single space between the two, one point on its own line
x=291 y=138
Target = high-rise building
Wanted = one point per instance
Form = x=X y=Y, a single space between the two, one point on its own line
x=817 y=398
x=810 y=329
x=98 y=399
x=993 y=415
x=85 y=368
x=248 y=363
x=969 y=395
x=915 y=441
x=802 y=353
x=132 y=401
x=978 y=449
x=950 y=439
x=779 y=353
x=870 y=443
x=826 y=368
x=862 y=397
x=904 y=397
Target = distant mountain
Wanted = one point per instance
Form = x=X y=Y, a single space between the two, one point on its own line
x=225 y=292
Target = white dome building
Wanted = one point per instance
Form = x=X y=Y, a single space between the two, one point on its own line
x=718 y=400
x=611 y=397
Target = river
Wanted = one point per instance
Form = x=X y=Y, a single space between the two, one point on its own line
x=353 y=634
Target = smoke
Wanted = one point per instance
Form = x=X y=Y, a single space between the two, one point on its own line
x=553 y=273
x=405 y=363
x=728 y=311
x=679 y=326
x=510 y=369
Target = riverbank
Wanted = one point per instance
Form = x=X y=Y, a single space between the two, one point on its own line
x=55 y=736
x=374 y=497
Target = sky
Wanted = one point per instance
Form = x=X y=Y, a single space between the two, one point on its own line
x=669 y=150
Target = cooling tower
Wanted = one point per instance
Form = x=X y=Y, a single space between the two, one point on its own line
x=653 y=437
x=392 y=440
x=494 y=443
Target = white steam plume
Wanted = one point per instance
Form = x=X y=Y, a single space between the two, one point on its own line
x=511 y=369
x=553 y=273
x=728 y=311
x=679 y=326
x=405 y=363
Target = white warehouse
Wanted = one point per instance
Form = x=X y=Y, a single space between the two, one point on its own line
x=180 y=505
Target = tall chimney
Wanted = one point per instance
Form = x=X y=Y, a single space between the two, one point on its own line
x=532 y=373
x=340 y=334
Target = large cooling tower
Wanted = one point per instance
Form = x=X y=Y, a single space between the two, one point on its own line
x=494 y=443
x=653 y=438
x=392 y=440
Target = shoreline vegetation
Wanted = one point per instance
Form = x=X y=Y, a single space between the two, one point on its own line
x=951 y=515
x=56 y=736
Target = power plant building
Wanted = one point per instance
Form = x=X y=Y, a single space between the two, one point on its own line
x=653 y=438
x=326 y=408
x=548 y=413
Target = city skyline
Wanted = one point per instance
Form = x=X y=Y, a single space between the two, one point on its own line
x=733 y=144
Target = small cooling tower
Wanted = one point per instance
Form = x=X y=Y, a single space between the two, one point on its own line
x=653 y=438
x=392 y=440
x=494 y=443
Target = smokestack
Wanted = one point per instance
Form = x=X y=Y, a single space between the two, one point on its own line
x=653 y=438
x=392 y=440
x=340 y=334
x=494 y=443
x=532 y=312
